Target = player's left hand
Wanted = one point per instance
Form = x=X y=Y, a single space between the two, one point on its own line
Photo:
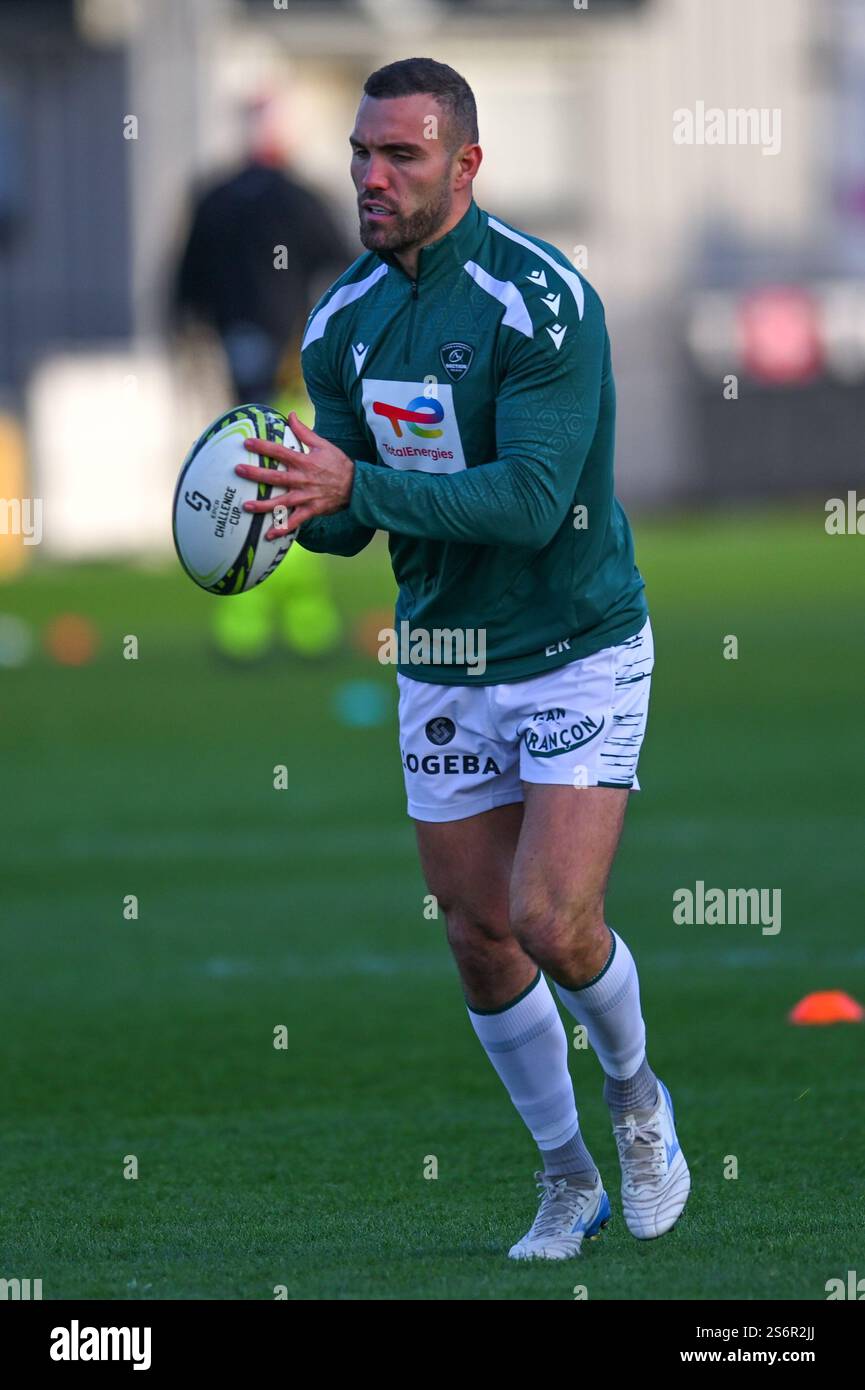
x=317 y=482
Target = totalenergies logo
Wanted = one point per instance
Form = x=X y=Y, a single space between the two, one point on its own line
x=422 y=412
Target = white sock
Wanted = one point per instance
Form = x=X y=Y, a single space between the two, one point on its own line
x=609 y=1007
x=527 y=1044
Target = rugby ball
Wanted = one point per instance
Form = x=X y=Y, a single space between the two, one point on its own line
x=221 y=546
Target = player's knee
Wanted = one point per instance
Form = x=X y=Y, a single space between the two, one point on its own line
x=475 y=936
x=559 y=934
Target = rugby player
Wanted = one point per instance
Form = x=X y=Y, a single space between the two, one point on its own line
x=464 y=403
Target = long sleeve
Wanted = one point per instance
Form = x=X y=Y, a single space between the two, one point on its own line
x=340 y=533
x=546 y=416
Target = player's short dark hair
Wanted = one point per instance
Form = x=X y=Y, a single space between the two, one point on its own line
x=410 y=76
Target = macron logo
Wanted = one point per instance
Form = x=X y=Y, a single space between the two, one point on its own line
x=557 y=333
x=76 y=1343
x=359 y=351
x=537 y=277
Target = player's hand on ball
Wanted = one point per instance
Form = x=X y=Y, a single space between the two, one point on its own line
x=317 y=482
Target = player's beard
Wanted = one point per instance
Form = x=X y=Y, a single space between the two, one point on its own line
x=415 y=229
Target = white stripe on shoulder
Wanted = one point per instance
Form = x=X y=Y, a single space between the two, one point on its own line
x=346 y=294
x=570 y=277
x=505 y=291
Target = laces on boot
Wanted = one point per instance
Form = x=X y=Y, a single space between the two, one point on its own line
x=641 y=1147
x=559 y=1204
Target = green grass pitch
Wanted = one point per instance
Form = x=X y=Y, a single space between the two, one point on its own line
x=304 y=1167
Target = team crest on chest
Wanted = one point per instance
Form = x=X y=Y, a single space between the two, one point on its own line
x=456 y=358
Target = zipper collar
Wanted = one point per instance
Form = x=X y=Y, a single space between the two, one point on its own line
x=449 y=253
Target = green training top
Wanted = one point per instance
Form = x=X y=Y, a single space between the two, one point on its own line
x=478 y=404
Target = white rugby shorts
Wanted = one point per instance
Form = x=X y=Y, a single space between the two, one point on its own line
x=467 y=748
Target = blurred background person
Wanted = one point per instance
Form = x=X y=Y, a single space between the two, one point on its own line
x=260 y=249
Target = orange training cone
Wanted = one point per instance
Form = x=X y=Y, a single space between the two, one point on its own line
x=827 y=1006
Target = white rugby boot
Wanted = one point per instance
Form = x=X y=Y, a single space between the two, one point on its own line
x=655 y=1177
x=567 y=1215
